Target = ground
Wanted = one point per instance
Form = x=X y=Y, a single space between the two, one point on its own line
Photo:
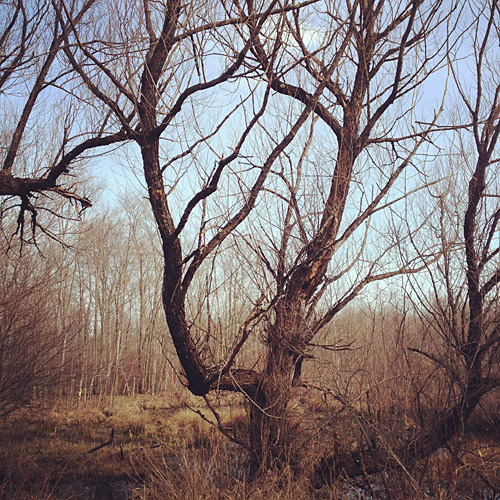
x=144 y=448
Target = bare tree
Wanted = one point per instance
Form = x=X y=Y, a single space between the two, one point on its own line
x=37 y=151
x=366 y=75
x=465 y=311
x=456 y=301
x=164 y=76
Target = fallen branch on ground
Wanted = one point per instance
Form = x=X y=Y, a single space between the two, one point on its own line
x=107 y=443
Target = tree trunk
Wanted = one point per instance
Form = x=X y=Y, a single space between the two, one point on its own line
x=271 y=418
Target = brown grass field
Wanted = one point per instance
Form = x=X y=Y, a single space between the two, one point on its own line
x=160 y=451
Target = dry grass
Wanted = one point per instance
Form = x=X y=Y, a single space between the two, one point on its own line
x=217 y=472
x=176 y=454
x=39 y=449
